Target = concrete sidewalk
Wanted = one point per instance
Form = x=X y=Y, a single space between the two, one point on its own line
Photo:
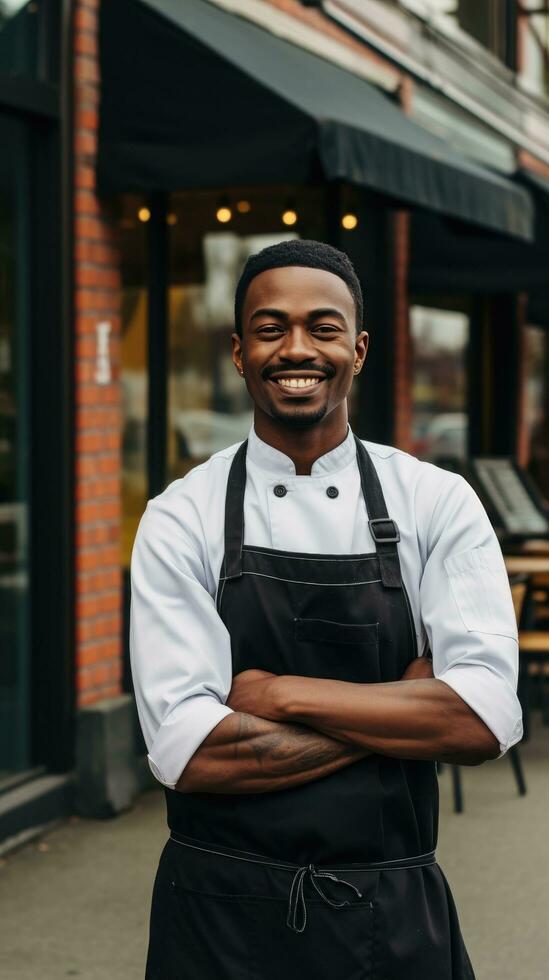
x=76 y=903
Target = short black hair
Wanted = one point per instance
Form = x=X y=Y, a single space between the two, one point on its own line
x=304 y=252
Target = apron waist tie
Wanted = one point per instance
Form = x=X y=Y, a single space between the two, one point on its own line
x=296 y=900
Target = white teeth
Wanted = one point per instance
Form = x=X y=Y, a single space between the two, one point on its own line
x=298 y=382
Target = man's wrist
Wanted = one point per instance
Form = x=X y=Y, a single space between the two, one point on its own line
x=283 y=690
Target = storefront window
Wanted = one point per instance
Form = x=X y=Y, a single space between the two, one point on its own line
x=536 y=414
x=535 y=41
x=134 y=367
x=490 y=22
x=211 y=235
x=15 y=709
x=439 y=393
x=19 y=34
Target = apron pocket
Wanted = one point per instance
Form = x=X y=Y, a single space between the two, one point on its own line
x=327 y=631
x=336 y=944
x=208 y=936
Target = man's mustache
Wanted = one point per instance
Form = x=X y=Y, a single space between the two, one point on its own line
x=326 y=369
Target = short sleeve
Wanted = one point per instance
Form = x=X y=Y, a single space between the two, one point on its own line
x=179 y=647
x=467 y=611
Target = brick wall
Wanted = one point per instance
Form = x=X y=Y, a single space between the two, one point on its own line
x=98 y=406
x=402 y=391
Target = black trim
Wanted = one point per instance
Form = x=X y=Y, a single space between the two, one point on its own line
x=52 y=431
x=307 y=555
x=28 y=95
x=157 y=420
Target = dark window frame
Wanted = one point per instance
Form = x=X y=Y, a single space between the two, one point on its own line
x=45 y=106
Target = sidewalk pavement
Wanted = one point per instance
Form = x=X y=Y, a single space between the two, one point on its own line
x=76 y=903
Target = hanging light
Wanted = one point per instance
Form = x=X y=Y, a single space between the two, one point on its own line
x=171 y=219
x=243 y=207
x=289 y=214
x=144 y=214
x=224 y=212
x=289 y=217
x=349 y=221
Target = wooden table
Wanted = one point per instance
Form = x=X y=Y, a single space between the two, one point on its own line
x=527 y=564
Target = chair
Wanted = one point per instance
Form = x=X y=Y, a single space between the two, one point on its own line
x=519 y=590
x=534 y=647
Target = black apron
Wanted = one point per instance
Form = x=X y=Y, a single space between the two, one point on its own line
x=335 y=879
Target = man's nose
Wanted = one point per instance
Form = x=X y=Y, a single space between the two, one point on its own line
x=297 y=345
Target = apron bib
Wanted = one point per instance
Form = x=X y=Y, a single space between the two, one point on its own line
x=336 y=877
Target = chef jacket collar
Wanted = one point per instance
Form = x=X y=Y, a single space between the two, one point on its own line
x=272 y=460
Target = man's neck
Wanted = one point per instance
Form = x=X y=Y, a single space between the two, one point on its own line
x=303 y=446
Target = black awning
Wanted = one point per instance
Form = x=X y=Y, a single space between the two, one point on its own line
x=193 y=96
x=445 y=256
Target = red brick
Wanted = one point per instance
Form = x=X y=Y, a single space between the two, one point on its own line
x=86 y=117
x=84 y=177
x=98 y=253
x=92 y=229
x=85 y=142
x=86 y=347
x=101 y=301
x=86 y=93
x=86 y=202
x=85 y=19
x=85 y=371
x=86 y=68
x=85 y=43
x=90 y=275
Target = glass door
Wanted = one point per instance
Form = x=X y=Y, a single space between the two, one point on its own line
x=15 y=674
x=440 y=422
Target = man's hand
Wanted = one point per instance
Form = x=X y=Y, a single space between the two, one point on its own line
x=252 y=693
x=255 y=691
x=418 y=669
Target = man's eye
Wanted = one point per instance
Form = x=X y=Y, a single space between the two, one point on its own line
x=271 y=328
x=324 y=328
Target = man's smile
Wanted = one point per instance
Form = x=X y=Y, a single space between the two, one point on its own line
x=297 y=382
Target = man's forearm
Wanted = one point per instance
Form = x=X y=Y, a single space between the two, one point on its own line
x=411 y=719
x=246 y=754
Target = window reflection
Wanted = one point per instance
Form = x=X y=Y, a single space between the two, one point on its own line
x=535 y=42
x=536 y=406
x=19 y=37
x=15 y=716
x=439 y=394
x=134 y=370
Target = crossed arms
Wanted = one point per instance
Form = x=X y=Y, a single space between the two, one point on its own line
x=287 y=730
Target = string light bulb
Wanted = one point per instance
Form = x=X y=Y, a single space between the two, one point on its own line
x=243 y=207
x=349 y=221
x=289 y=214
x=171 y=219
x=224 y=212
x=223 y=215
x=289 y=217
x=144 y=214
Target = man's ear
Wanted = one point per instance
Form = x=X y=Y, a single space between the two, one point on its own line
x=361 y=350
x=237 y=353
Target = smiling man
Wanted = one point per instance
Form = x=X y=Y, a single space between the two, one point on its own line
x=286 y=595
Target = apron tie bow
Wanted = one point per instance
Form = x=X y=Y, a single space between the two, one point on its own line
x=296 y=900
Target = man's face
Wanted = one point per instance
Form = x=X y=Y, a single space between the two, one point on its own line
x=299 y=349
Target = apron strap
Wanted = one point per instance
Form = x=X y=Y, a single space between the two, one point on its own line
x=234 y=514
x=383 y=528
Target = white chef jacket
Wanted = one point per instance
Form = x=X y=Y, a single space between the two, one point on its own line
x=450 y=558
